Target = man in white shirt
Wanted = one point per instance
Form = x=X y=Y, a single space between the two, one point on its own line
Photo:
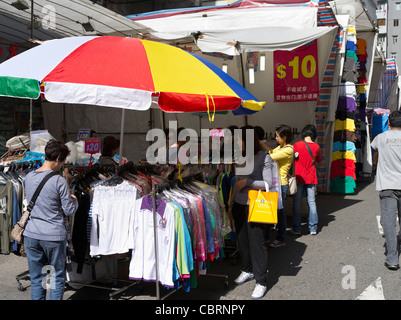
x=387 y=156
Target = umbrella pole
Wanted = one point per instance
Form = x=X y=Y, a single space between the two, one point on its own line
x=30 y=115
x=243 y=81
x=122 y=136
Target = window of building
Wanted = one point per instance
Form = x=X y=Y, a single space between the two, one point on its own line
x=395 y=39
x=381 y=40
x=381 y=22
x=395 y=22
x=398 y=6
x=394 y=55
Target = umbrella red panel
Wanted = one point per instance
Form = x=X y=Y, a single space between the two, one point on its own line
x=101 y=61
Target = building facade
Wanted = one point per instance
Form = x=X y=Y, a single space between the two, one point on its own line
x=389 y=24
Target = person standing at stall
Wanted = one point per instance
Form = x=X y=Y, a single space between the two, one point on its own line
x=250 y=235
x=45 y=235
x=109 y=149
x=283 y=155
x=307 y=154
x=387 y=157
x=261 y=135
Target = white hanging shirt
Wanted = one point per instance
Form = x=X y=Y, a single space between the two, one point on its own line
x=143 y=261
x=113 y=219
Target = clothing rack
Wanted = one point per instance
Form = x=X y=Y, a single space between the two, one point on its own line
x=157 y=188
x=82 y=179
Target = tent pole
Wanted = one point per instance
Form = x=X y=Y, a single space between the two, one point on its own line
x=122 y=136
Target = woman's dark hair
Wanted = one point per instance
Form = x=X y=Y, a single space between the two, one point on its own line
x=256 y=144
x=232 y=128
x=394 y=119
x=284 y=131
x=109 y=144
x=56 y=150
x=260 y=132
x=309 y=131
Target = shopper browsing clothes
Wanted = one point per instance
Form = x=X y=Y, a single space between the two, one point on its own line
x=45 y=234
x=387 y=156
x=261 y=135
x=250 y=235
x=307 y=155
x=283 y=155
x=109 y=149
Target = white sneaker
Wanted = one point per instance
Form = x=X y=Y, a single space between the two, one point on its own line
x=244 y=277
x=313 y=233
x=259 y=291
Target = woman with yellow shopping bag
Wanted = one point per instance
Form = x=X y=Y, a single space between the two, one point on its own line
x=251 y=234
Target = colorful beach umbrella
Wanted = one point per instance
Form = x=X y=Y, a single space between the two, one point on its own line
x=120 y=72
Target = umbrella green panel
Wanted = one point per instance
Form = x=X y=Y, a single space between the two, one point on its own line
x=19 y=87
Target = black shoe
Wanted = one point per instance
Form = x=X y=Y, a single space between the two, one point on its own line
x=392 y=267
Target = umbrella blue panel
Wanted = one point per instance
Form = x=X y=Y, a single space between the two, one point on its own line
x=234 y=85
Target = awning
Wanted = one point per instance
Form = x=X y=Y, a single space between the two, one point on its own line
x=234 y=42
x=243 y=26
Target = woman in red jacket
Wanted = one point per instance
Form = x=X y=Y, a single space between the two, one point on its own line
x=307 y=154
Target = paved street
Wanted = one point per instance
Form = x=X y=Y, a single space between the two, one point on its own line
x=344 y=261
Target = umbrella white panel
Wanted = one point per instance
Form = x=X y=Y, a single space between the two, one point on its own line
x=37 y=62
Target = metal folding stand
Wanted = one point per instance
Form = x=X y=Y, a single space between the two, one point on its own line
x=22 y=276
x=115 y=290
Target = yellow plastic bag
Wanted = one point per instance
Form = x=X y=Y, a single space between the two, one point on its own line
x=263 y=206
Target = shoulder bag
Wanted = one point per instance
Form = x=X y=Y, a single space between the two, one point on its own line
x=19 y=227
x=292 y=181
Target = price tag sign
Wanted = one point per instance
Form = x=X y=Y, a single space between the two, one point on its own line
x=83 y=134
x=92 y=146
x=296 y=74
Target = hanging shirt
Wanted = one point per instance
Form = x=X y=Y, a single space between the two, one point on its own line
x=183 y=257
x=112 y=219
x=344 y=146
x=346 y=104
x=351 y=46
x=342 y=168
x=347 y=124
x=340 y=155
x=351 y=29
x=342 y=115
x=143 y=260
x=348 y=89
x=361 y=46
x=343 y=185
x=6 y=214
x=344 y=135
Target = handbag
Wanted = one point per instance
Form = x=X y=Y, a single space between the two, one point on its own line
x=19 y=227
x=292 y=180
x=263 y=206
x=292 y=185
